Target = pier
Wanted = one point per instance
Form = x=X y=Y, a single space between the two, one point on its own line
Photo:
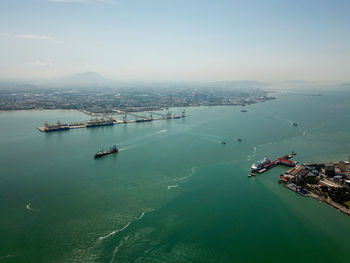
x=108 y=121
x=284 y=160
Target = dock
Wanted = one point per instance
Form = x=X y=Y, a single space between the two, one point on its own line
x=284 y=160
x=103 y=121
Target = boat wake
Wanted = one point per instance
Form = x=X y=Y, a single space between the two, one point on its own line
x=159 y=132
x=7 y=256
x=124 y=149
x=143 y=213
x=172 y=186
x=250 y=157
x=281 y=119
x=185 y=178
x=116 y=250
x=28 y=207
x=114 y=232
x=126 y=226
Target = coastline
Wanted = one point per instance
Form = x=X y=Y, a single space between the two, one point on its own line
x=141 y=111
x=321 y=199
x=316 y=180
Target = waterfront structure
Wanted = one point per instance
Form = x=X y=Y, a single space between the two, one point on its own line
x=344 y=166
x=266 y=164
x=321 y=181
x=103 y=121
x=329 y=169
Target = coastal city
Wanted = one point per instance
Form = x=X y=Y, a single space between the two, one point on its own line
x=174 y=131
x=107 y=100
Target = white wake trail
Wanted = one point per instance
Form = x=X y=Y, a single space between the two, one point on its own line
x=158 y=132
x=114 y=232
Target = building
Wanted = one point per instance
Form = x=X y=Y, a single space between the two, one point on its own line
x=329 y=170
x=344 y=166
x=347 y=183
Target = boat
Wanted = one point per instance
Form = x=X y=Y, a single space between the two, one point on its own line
x=144 y=120
x=223 y=142
x=243 y=110
x=54 y=127
x=100 y=123
x=260 y=164
x=111 y=150
x=239 y=140
x=295 y=124
x=62 y=128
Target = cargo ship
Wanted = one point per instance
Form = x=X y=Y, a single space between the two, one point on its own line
x=99 y=122
x=111 y=150
x=144 y=120
x=62 y=128
x=260 y=164
x=54 y=127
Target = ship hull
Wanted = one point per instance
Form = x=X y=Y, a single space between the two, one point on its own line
x=101 y=154
x=57 y=129
x=99 y=124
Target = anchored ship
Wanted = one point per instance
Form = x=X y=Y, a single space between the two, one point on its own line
x=260 y=164
x=100 y=122
x=111 y=150
x=54 y=127
x=144 y=120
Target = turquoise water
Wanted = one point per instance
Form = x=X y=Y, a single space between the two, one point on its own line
x=173 y=193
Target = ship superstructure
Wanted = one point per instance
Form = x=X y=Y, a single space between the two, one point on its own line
x=111 y=150
x=260 y=164
x=55 y=127
x=100 y=122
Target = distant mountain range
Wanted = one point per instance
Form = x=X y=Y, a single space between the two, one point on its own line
x=86 y=79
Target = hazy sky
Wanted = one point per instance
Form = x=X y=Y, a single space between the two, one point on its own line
x=176 y=40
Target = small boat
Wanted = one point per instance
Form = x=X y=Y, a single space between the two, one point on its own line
x=243 y=110
x=239 y=140
x=223 y=142
x=295 y=124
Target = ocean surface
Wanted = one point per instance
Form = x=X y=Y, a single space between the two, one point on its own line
x=173 y=193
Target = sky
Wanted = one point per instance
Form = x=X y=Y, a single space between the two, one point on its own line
x=196 y=40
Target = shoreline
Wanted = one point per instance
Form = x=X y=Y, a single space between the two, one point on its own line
x=109 y=113
x=308 y=179
x=321 y=199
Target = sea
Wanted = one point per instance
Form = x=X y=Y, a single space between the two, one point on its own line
x=173 y=192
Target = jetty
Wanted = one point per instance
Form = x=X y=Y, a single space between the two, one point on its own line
x=109 y=121
x=284 y=160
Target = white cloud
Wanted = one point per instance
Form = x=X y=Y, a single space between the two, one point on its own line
x=5 y=35
x=36 y=37
x=47 y=62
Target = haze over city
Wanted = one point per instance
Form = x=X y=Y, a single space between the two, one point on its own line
x=159 y=40
x=174 y=131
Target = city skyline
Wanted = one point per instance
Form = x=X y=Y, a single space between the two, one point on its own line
x=182 y=40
